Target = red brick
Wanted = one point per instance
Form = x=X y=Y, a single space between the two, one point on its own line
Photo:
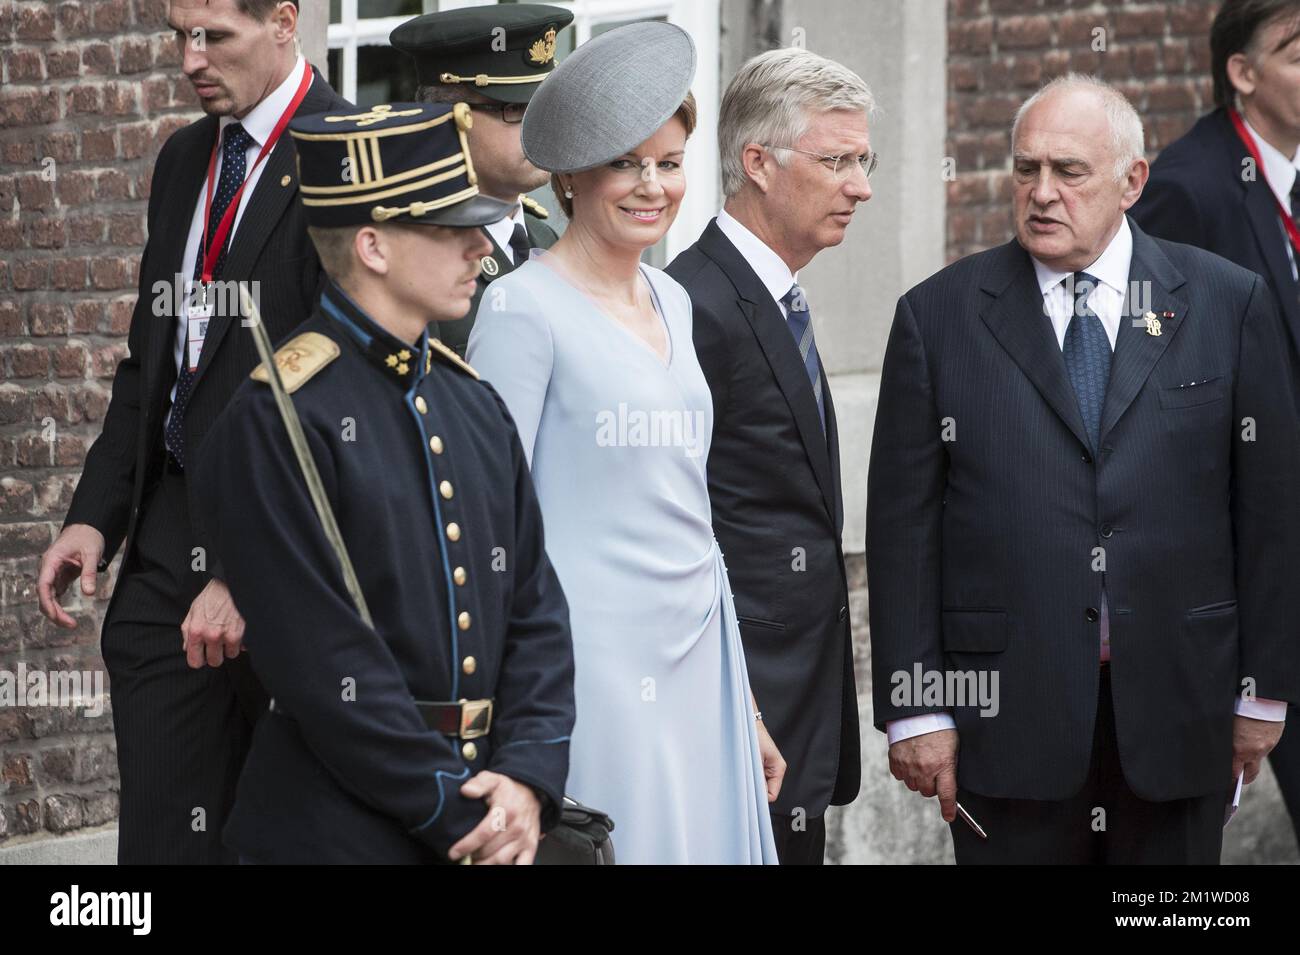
x=30 y=274
x=1018 y=33
x=70 y=360
x=28 y=107
x=11 y=320
x=47 y=318
x=35 y=193
x=98 y=58
x=69 y=274
x=109 y=274
x=97 y=145
x=61 y=63
x=135 y=55
x=126 y=228
x=60 y=146
x=27 y=361
x=1147 y=23
x=47 y=232
x=111 y=15
x=23 y=65
x=74 y=19
x=34 y=23
x=112 y=184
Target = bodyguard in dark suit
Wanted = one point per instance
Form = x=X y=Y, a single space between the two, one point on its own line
x=492 y=58
x=182 y=731
x=1081 y=499
x=1230 y=186
x=441 y=731
x=774 y=465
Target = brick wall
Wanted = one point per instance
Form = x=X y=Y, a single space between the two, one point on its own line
x=91 y=89
x=1000 y=51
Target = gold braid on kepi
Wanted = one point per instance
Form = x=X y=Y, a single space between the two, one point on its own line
x=393 y=162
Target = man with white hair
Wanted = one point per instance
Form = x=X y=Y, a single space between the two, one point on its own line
x=796 y=158
x=1081 y=497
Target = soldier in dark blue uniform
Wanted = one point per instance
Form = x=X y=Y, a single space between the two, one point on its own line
x=493 y=58
x=442 y=731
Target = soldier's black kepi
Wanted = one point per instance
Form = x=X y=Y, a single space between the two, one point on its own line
x=503 y=50
x=400 y=162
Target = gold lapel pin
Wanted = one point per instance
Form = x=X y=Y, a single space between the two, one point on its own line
x=1152 y=323
x=285 y=180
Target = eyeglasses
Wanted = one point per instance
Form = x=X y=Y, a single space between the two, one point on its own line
x=842 y=165
x=510 y=112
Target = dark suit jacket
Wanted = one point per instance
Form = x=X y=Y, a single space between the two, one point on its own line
x=455 y=334
x=774 y=484
x=980 y=548
x=1196 y=195
x=269 y=247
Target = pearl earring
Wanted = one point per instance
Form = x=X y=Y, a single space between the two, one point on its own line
x=568 y=193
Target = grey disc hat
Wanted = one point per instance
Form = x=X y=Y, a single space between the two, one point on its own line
x=609 y=95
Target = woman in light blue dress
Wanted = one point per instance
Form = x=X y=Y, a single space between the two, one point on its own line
x=592 y=353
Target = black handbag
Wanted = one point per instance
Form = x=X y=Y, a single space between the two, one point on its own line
x=581 y=837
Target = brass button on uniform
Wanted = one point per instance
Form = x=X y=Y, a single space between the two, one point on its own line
x=445 y=490
x=469 y=750
x=469 y=665
x=435 y=444
x=459 y=576
x=421 y=405
x=462 y=621
x=453 y=531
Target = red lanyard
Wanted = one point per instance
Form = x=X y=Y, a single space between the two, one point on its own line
x=1287 y=221
x=213 y=252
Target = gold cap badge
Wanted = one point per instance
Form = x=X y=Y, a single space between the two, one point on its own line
x=543 y=51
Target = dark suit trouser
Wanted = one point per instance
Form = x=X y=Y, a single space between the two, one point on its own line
x=799 y=841
x=1136 y=832
x=182 y=734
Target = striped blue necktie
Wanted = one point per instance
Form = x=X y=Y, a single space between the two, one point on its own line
x=1087 y=357
x=799 y=321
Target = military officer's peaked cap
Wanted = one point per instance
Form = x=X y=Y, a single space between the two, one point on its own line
x=401 y=162
x=502 y=50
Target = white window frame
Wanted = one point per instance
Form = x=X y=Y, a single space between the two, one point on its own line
x=700 y=18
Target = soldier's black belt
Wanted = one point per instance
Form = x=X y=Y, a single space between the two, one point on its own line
x=466 y=719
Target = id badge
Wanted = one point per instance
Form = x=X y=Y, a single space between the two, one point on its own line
x=197 y=315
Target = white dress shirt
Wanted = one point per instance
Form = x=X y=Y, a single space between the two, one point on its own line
x=1111 y=270
x=502 y=230
x=767 y=265
x=1280 y=172
x=259 y=124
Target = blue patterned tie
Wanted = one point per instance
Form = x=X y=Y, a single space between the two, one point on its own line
x=799 y=321
x=1087 y=357
x=234 y=164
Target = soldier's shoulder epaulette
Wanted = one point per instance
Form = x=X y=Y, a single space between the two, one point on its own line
x=449 y=357
x=533 y=207
x=299 y=359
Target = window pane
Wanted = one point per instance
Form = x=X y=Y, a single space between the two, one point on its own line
x=336 y=11
x=367 y=9
x=335 y=69
x=383 y=77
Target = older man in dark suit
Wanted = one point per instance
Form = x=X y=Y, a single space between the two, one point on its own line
x=1230 y=186
x=222 y=209
x=796 y=160
x=1081 y=499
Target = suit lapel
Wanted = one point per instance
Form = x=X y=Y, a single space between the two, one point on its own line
x=782 y=354
x=180 y=194
x=1152 y=279
x=1016 y=318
